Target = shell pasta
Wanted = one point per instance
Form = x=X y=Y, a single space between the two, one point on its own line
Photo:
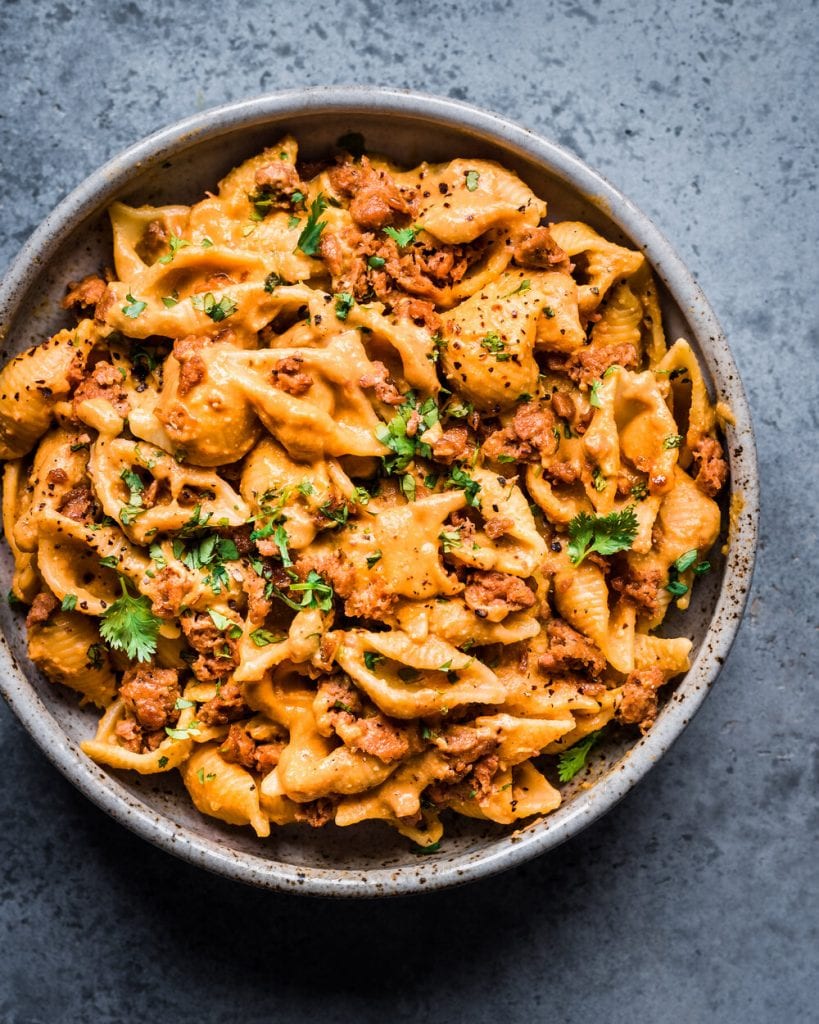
x=359 y=492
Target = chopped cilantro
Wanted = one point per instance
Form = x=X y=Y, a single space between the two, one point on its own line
x=95 y=655
x=264 y=638
x=175 y=244
x=672 y=441
x=524 y=286
x=460 y=478
x=129 y=625
x=317 y=593
x=549 y=313
x=344 y=303
x=373 y=558
x=371 y=659
x=494 y=344
x=162 y=762
x=69 y=603
x=308 y=240
x=394 y=434
x=280 y=539
x=272 y=282
x=573 y=759
x=472 y=179
x=408 y=486
x=169 y=301
x=217 y=311
x=604 y=534
x=450 y=539
x=109 y=562
x=594 y=396
x=402 y=236
x=134 y=307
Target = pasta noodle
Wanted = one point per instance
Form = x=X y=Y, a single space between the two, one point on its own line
x=360 y=494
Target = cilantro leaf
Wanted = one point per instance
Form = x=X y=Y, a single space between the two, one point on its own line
x=69 y=603
x=134 y=307
x=672 y=441
x=472 y=179
x=217 y=311
x=264 y=638
x=604 y=534
x=371 y=659
x=373 y=559
x=129 y=625
x=280 y=538
x=573 y=759
x=344 y=303
x=594 y=396
x=402 y=236
x=310 y=236
x=450 y=539
x=494 y=344
x=175 y=244
x=460 y=478
x=317 y=593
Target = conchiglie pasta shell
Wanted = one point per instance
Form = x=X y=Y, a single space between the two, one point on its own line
x=60 y=648
x=32 y=382
x=105 y=747
x=222 y=790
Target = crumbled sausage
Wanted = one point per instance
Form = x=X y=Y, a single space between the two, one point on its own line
x=529 y=436
x=154 y=241
x=638 y=703
x=570 y=651
x=421 y=313
x=104 y=381
x=86 y=293
x=562 y=472
x=226 y=706
x=288 y=376
x=451 y=446
x=712 y=469
x=278 y=181
x=239 y=747
x=496 y=527
x=535 y=247
x=376 y=199
x=41 y=608
x=151 y=693
x=380 y=381
x=192 y=368
x=217 y=651
x=493 y=595
x=78 y=504
x=640 y=586
x=589 y=364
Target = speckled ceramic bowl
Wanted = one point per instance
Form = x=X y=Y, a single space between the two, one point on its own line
x=177 y=165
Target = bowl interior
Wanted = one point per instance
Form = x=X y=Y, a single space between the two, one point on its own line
x=369 y=858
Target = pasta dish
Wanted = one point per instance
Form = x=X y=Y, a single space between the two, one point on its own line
x=357 y=492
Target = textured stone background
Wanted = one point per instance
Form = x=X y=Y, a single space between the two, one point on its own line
x=696 y=899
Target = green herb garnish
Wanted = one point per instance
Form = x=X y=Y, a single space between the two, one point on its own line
x=129 y=625
x=573 y=759
x=604 y=534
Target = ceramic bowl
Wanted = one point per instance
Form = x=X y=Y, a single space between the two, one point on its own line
x=177 y=165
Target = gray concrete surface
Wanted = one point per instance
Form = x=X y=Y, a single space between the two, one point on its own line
x=696 y=899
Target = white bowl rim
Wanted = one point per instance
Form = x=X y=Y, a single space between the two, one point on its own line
x=430 y=873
